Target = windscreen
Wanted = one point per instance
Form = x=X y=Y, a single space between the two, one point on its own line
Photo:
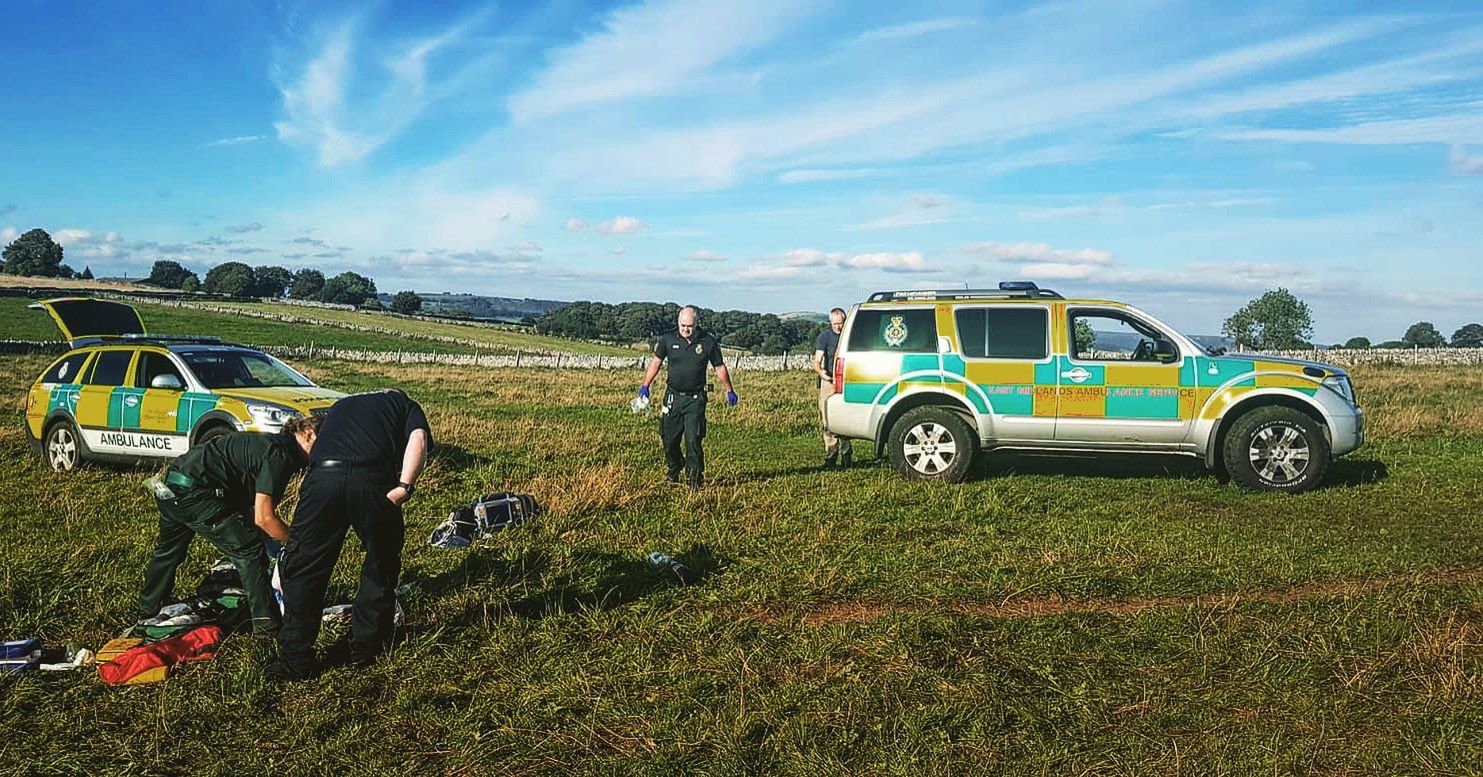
x=240 y=369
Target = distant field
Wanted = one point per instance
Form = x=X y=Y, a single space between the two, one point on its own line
x=1050 y=616
x=494 y=339
x=16 y=322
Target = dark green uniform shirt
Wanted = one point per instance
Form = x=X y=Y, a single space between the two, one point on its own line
x=242 y=464
x=688 y=358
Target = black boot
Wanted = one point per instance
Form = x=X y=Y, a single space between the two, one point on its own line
x=829 y=462
x=844 y=460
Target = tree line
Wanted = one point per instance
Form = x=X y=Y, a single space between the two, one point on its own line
x=629 y=322
x=1280 y=321
x=36 y=254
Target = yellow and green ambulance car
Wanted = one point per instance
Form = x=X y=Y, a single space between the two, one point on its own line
x=122 y=395
x=936 y=377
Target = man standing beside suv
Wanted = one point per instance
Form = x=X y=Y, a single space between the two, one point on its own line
x=836 y=449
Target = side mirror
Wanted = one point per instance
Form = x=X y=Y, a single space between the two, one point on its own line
x=166 y=381
x=944 y=345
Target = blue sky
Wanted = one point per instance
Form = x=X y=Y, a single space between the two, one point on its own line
x=772 y=155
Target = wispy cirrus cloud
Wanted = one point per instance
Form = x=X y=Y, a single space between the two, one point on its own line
x=652 y=49
x=350 y=93
x=235 y=141
x=915 y=29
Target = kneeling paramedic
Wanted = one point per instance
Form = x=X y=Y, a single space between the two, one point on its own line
x=221 y=491
x=368 y=456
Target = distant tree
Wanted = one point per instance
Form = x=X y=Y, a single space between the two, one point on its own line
x=306 y=284
x=87 y=273
x=1277 y=320
x=1357 y=342
x=1084 y=338
x=66 y=271
x=191 y=284
x=271 y=281
x=406 y=302
x=1390 y=344
x=233 y=279
x=1468 y=336
x=1423 y=334
x=348 y=288
x=167 y=274
x=33 y=253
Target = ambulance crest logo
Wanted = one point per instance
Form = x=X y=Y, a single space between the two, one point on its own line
x=698 y=348
x=895 y=331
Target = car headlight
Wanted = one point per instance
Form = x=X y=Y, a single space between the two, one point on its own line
x=1341 y=384
x=269 y=415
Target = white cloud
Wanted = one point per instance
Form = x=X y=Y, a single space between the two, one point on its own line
x=920 y=210
x=237 y=141
x=1464 y=163
x=622 y=225
x=575 y=225
x=792 y=263
x=1026 y=252
x=1452 y=129
x=815 y=176
x=1106 y=207
x=8 y=235
x=915 y=29
x=704 y=256
x=69 y=236
x=618 y=250
x=652 y=49
x=244 y=228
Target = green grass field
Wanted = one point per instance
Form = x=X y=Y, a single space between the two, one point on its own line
x=1050 y=616
x=23 y=324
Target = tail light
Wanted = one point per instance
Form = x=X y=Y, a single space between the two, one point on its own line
x=839 y=374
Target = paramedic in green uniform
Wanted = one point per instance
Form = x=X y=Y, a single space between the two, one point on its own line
x=226 y=491
x=688 y=350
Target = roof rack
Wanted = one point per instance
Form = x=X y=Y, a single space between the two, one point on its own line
x=1006 y=290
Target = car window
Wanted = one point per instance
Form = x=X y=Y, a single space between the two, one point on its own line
x=110 y=368
x=909 y=330
x=1109 y=336
x=152 y=365
x=67 y=370
x=241 y=369
x=1004 y=332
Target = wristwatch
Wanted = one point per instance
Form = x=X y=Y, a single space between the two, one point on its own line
x=411 y=489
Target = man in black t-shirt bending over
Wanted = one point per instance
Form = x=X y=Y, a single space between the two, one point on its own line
x=363 y=466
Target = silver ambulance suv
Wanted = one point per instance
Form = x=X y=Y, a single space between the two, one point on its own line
x=936 y=377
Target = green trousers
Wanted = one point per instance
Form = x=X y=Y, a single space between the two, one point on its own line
x=203 y=513
x=683 y=418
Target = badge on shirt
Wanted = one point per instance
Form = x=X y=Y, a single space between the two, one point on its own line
x=699 y=348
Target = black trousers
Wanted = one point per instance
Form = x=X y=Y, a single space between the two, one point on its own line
x=331 y=501
x=683 y=418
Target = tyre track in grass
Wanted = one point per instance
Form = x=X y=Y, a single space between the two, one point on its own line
x=1051 y=606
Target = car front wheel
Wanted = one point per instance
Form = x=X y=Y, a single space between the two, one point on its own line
x=1276 y=449
x=62 y=447
x=931 y=443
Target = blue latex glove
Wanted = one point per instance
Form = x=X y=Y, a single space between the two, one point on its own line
x=731 y=398
x=644 y=392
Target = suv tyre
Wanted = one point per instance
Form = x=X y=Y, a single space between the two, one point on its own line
x=931 y=443
x=62 y=446
x=1276 y=449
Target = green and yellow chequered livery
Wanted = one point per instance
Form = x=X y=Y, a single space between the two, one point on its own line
x=934 y=377
x=120 y=394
